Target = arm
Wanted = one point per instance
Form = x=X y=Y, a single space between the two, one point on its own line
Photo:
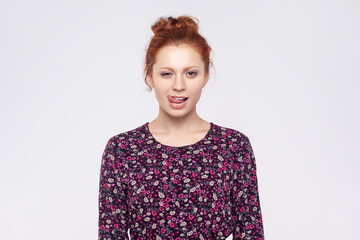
x=246 y=210
x=113 y=211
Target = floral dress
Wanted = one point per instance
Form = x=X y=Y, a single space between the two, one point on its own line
x=206 y=190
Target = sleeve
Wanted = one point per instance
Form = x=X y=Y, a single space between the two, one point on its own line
x=246 y=209
x=113 y=210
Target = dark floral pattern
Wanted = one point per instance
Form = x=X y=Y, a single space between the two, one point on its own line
x=206 y=190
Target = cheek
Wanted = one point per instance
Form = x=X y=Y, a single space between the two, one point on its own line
x=160 y=94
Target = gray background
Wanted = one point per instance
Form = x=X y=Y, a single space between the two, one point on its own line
x=286 y=75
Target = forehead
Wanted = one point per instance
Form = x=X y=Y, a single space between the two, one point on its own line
x=177 y=57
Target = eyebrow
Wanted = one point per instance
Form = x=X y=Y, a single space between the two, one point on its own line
x=169 y=68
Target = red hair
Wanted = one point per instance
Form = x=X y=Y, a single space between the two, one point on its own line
x=176 y=31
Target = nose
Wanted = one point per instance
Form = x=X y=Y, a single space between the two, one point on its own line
x=179 y=83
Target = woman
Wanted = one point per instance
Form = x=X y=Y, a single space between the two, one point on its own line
x=179 y=176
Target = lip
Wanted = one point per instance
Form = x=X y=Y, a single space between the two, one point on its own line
x=178 y=96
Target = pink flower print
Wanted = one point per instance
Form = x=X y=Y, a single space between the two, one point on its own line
x=102 y=227
x=168 y=217
x=140 y=141
x=139 y=175
x=165 y=186
x=175 y=181
x=226 y=163
x=172 y=174
x=168 y=148
x=167 y=199
x=181 y=195
x=116 y=226
x=194 y=174
x=171 y=159
x=161 y=209
x=128 y=158
x=253 y=178
x=172 y=224
x=216 y=138
x=212 y=171
x=153 y=213
x=168 y=164
x=191 y=217
x=166 y=205
x=205 y=230
x=242 y=209
x=163 y=230
x=184 y=156
x=157 y=171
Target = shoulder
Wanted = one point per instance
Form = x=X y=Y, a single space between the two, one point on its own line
x=124 y=140
x=232 y=134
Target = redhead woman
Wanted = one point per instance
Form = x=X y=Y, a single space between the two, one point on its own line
x=179 y=176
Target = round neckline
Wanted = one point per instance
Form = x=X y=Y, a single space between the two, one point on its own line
x=179 y=147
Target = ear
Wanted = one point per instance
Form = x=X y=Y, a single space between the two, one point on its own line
x=206 y=78
x=150 y=80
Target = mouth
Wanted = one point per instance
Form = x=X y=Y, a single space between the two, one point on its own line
x=177 y=100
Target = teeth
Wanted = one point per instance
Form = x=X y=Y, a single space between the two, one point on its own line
x=178 y=98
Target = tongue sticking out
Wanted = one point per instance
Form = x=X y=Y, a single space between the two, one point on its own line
x=173 y=100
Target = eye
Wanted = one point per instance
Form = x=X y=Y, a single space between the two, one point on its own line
x=192 y=73
x=166 y=74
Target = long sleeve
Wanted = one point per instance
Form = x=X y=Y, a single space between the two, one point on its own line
x=113 y=210
x=246 y=210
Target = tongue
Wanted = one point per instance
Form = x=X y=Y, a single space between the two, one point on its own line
x=177 y=101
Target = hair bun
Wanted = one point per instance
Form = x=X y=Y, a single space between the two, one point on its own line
x=170 y=23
